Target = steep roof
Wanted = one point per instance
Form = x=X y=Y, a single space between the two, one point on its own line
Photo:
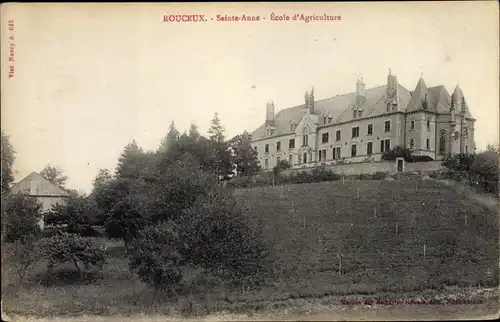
x=338 y=107
x=438 y=99
x=42 y=186
x=418 y=96
x=460 y=102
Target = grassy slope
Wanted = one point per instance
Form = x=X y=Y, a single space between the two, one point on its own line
x=374 y=258
x=460 y=235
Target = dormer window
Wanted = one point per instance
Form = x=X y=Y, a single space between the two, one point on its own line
x=330 y=119
x=324 y=119
x=355 y=114
x=360 y=113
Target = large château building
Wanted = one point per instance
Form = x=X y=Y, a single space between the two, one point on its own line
x=360 y=126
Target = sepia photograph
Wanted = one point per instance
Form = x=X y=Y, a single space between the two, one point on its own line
x=250 y=161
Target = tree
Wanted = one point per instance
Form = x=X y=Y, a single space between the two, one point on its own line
x=171 y=138
x=245 y=156
x=282 y=165
x=217 y=235
x=398 y=152
x=103 y=176
x=8 y=157
x=134 y=163
x=20 y=217
x=24 y=253
x=54 y=174
x=194 y=134
x=216 y=130
x=64 y=247
x=156 y=258
x=79 y=213
x=125 y=205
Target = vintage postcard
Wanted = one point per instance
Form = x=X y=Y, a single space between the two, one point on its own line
x=250 y=161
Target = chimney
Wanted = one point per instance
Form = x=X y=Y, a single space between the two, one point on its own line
x=311 y=101
x=392 y=91
x=270 y=113
x=360 y=91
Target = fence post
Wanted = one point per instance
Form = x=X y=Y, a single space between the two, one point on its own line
x=424 y=251
x=357 y=194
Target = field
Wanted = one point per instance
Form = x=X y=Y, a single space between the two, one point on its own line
x=329 y=241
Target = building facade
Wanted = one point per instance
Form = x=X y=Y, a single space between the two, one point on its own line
x=47 y=193
x=360 y=126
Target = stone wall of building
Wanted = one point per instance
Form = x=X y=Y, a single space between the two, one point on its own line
x=372 y=167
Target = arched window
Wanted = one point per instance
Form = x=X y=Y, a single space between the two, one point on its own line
x=442 y=142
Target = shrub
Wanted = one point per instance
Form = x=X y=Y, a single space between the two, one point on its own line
x=322 y=174
x=282 y=165
x=157 y=259
x=23 y=255
x=64 y=247
x=20 y=217
x=380 y=175
x=78 y=213
x=218 y=236
x=398 y=152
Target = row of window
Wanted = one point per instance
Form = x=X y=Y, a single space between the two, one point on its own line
x=427 y=144
x=412 y=125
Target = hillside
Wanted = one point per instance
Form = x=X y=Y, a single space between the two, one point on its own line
x=398 y=236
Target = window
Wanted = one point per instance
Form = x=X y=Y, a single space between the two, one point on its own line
x=267 y=148
x=278 y=146
x=266 y=164
x=428 y=125
x=337 y=135
x=353 y=150
x=387 y=126
x=370 y=129
x=277 y=160
x=355 y=132
x=369 y=148
x=442 y=142
x=305 y=140
x=324 y=138
x=388 y=107
x=355 y=114
x=360 y=114
x=466 y=133
x=291 y=144
x=304 y=156
x=329 y=119
x=428 y=144
x=324 y=119
x=412 y=125
x=412 y=144
x=290 y=159
x=466 y=149
x=385 y=145
x=322 y=155
x=336 y=153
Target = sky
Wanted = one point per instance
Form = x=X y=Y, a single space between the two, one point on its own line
x=90 y=78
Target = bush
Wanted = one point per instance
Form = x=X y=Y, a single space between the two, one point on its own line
x=64 y=247
x=20 y=218
x=380 y=175
x=421 y=158
x=282 y=165
x=23 y=254
x=398 y=152
x=77 y=213
x=156 y=258
x=218 y=236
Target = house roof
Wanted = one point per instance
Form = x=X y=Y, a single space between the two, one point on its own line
x=44 y=187
x=338 y=107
